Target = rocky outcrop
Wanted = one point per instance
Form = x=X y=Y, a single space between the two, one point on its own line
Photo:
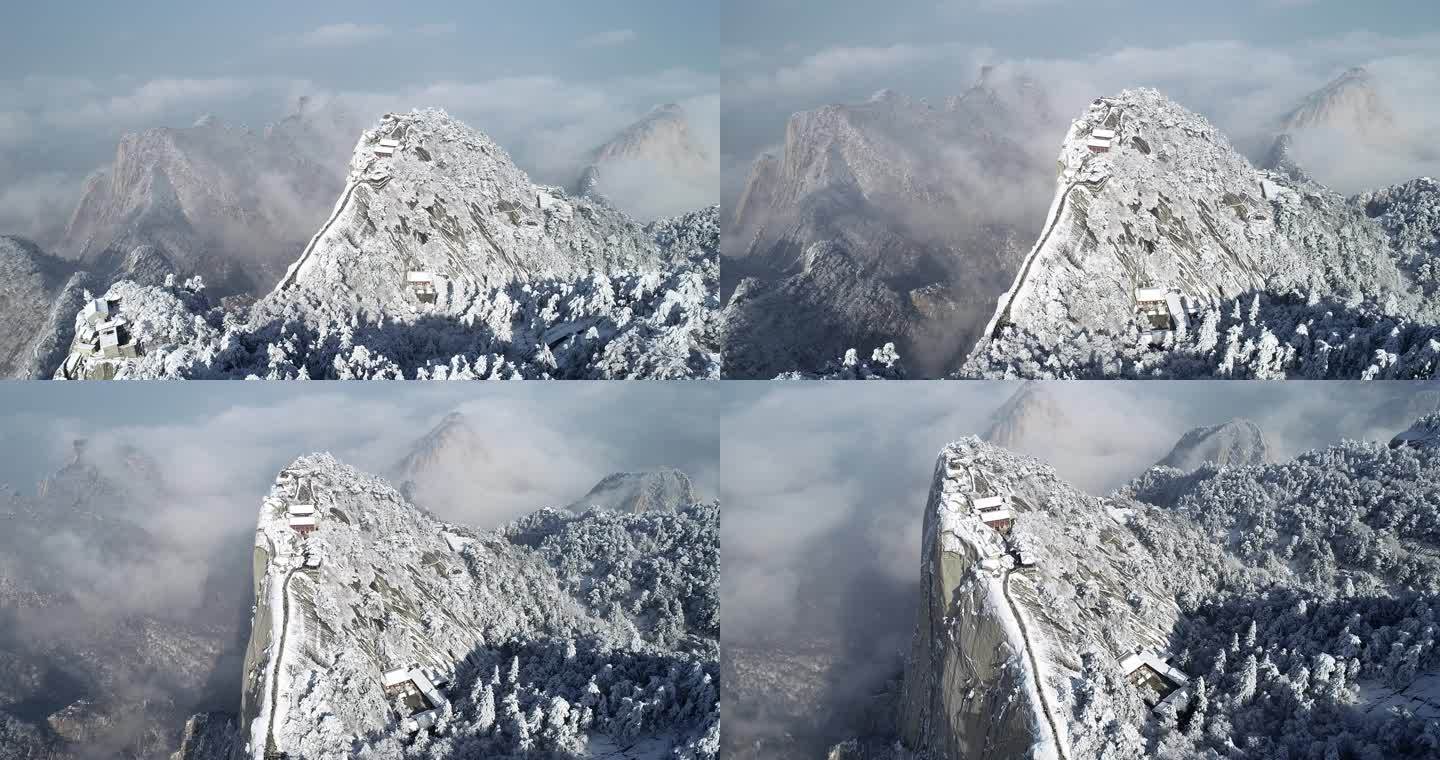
x=1236 y=443
x=441 y=259
x=38 y=296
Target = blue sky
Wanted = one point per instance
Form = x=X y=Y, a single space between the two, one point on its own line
x=549 y=81
x=1241 y=63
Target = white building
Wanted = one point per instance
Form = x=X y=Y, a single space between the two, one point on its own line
x=387 y=147
x=1152 y=673
x=423 y=283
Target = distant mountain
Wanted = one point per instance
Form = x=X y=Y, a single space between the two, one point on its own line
x=441 y=258
x=635 y=492
x=1029 y=415
x=449 y=468
x=1351 y=104
x=1236 y=443
x=220 y=201
x=108 y=636
x=888 y=220
x=654 y=168
x=1166 y=254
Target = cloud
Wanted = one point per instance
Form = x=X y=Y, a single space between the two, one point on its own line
x=146 y=102
x=443 y=29
x=611 y=38
x=1241 y=86
x=341 y=35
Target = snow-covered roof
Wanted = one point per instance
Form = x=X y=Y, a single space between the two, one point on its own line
x=111 y=324
x=389 y=142
x=1096 y=142
x=1136 y=660
x=1103 y=134
x=989 y=502
x=1150 y=294
x=300 y=510
x=992 y=515
x=419 y=276
x=302 y=522
x=384 y=150
x=395 y=677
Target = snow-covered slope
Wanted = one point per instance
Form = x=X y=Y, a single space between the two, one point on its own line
x=441 y=259
x=1005 y=658
x=888 y=220
x=1236 y=443
x=635 y=492
x=1151 y=195
x=508 y=626
x=1291 y=603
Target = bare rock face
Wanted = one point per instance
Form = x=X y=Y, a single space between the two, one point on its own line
x=1236 y=443
x=889 y=220
x=666 y=490
x=441 y=259
x=1031 y=412
x=1151 y=198
x=208 y=736
x=223 y=202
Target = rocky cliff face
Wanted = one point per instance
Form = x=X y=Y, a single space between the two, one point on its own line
x=1236 y=443
x=885 y=220
x=223 y=202
x=491 y=617
x=1004 y=655
x=441 y=259
x=1152 y=196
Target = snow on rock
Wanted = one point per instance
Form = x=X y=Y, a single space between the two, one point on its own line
x=1236 y=443
x=442 y=260
x=1151 y=195
x=665 y=489
x=1023 y=661
x=536 y=637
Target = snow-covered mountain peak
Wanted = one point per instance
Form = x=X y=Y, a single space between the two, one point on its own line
x=377 y=626
x=1156 y=222
x=1350 y=103
x=1032 y=411
x=1006 y=649
x=665 y=490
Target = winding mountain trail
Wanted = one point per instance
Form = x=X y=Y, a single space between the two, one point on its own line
x=270 y=748
x=1034 y=668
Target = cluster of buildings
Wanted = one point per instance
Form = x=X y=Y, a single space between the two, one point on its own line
x=1162 y=311
x=417 y=690
x=104 y=332
x=996 y=513
x=300 y=512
